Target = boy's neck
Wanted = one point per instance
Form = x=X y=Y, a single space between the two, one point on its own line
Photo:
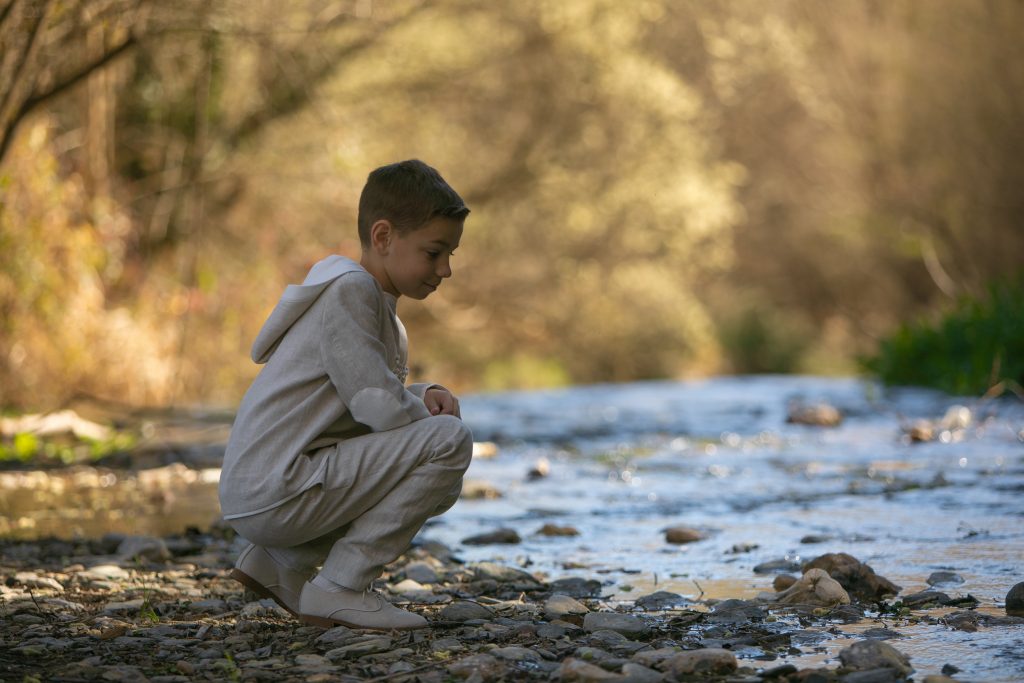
x=374 y=267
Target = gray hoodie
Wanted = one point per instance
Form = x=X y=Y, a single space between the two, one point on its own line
x=335 y=354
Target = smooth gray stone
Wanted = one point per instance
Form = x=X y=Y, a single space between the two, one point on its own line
x=626 y=624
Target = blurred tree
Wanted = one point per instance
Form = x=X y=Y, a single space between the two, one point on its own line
x=145 y=149
x=51 y=46
x=883 y=155
x=599 y=202
x=655 y=185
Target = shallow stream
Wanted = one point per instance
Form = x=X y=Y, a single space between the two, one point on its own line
x=622 y=463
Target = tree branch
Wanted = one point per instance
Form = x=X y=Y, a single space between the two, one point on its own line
x=291 y=98
x=31 y=103
x=6 y=10
x=31 y=47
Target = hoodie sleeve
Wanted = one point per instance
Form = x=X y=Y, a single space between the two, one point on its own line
x=356 y=360
x=419 y=389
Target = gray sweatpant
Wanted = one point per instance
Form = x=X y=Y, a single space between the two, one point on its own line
x=378 y=491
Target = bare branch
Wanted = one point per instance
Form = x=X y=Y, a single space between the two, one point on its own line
x=6 y=11
x=32 y=46
x=59 y=87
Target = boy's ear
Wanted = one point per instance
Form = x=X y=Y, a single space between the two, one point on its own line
x=381 y=234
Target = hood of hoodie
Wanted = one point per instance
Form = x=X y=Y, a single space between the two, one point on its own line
x=296 y=300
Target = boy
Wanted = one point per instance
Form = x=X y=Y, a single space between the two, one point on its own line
x=331 y=459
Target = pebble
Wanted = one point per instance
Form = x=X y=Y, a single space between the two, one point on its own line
x=145 y=548
x=558 y=606
x=364 y=646
x=707 y=661
x=943 y=578
x=1015 y=601
x=123 y=607
x=515 y=654
x=779 y=566
x=635 y=673
x=783 y=581
x=660 y=600
x=680 y=534
x=815 y=415
x=484 y=666
x=110 y=572
x=741 y=548
x=479 y=490
x=214 y=606
x=882 y=675
x=576 y=587
x=124 y=674
x=555 y=530
x=503 y=574
x=626 y=624
x=925 y=599
x=656 y=658
x=881 y=634
x=815 y=587
x=816 y=538
x=264 y=609
x=33 y=580
x=875 y=654
x=552 y=631
x=736 y=612
x=333 y=636
x=447 y=645
x=498 y=536
x=312 y=661
x=421 y=572
x=962 y=621
x=465 y=610
x=573 y=669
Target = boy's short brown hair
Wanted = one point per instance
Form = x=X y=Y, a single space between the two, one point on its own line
x=408 y=194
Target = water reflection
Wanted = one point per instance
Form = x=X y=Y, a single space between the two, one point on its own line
x=87 y=502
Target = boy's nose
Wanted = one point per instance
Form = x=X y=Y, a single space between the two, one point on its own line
x=444 y=269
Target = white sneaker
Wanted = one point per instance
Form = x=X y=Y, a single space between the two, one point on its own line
x=260 y=573
x=355 y=609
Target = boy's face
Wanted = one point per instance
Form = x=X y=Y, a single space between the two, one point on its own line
x=414 y=264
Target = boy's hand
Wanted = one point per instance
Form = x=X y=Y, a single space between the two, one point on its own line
x=441 y=402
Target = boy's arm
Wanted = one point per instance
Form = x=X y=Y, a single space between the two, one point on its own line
x=356 y=360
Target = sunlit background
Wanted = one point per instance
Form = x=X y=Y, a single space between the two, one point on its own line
x=659 y=189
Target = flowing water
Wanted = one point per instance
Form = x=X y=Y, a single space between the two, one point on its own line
x=621 y=463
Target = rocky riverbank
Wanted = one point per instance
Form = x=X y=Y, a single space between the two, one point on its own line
x=163 y=609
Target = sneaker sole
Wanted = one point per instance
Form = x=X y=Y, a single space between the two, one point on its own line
x=324 y=622
x=259 y=589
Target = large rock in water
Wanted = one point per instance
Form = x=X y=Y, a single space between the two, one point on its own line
x=816 y=587
x=859 y=579
x=1015 y=601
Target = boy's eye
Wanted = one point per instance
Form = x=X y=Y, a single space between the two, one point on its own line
x=433 y=254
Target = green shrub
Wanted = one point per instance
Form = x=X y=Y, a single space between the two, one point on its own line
x=976 y=345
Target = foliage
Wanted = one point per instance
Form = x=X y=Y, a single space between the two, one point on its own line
x=56 y=326
x=25 y=446
x=974 y=346
x=642 y=177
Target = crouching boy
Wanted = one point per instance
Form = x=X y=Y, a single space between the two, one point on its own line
x=332 y=461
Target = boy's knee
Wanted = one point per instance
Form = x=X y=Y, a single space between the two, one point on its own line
x=453 y=432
